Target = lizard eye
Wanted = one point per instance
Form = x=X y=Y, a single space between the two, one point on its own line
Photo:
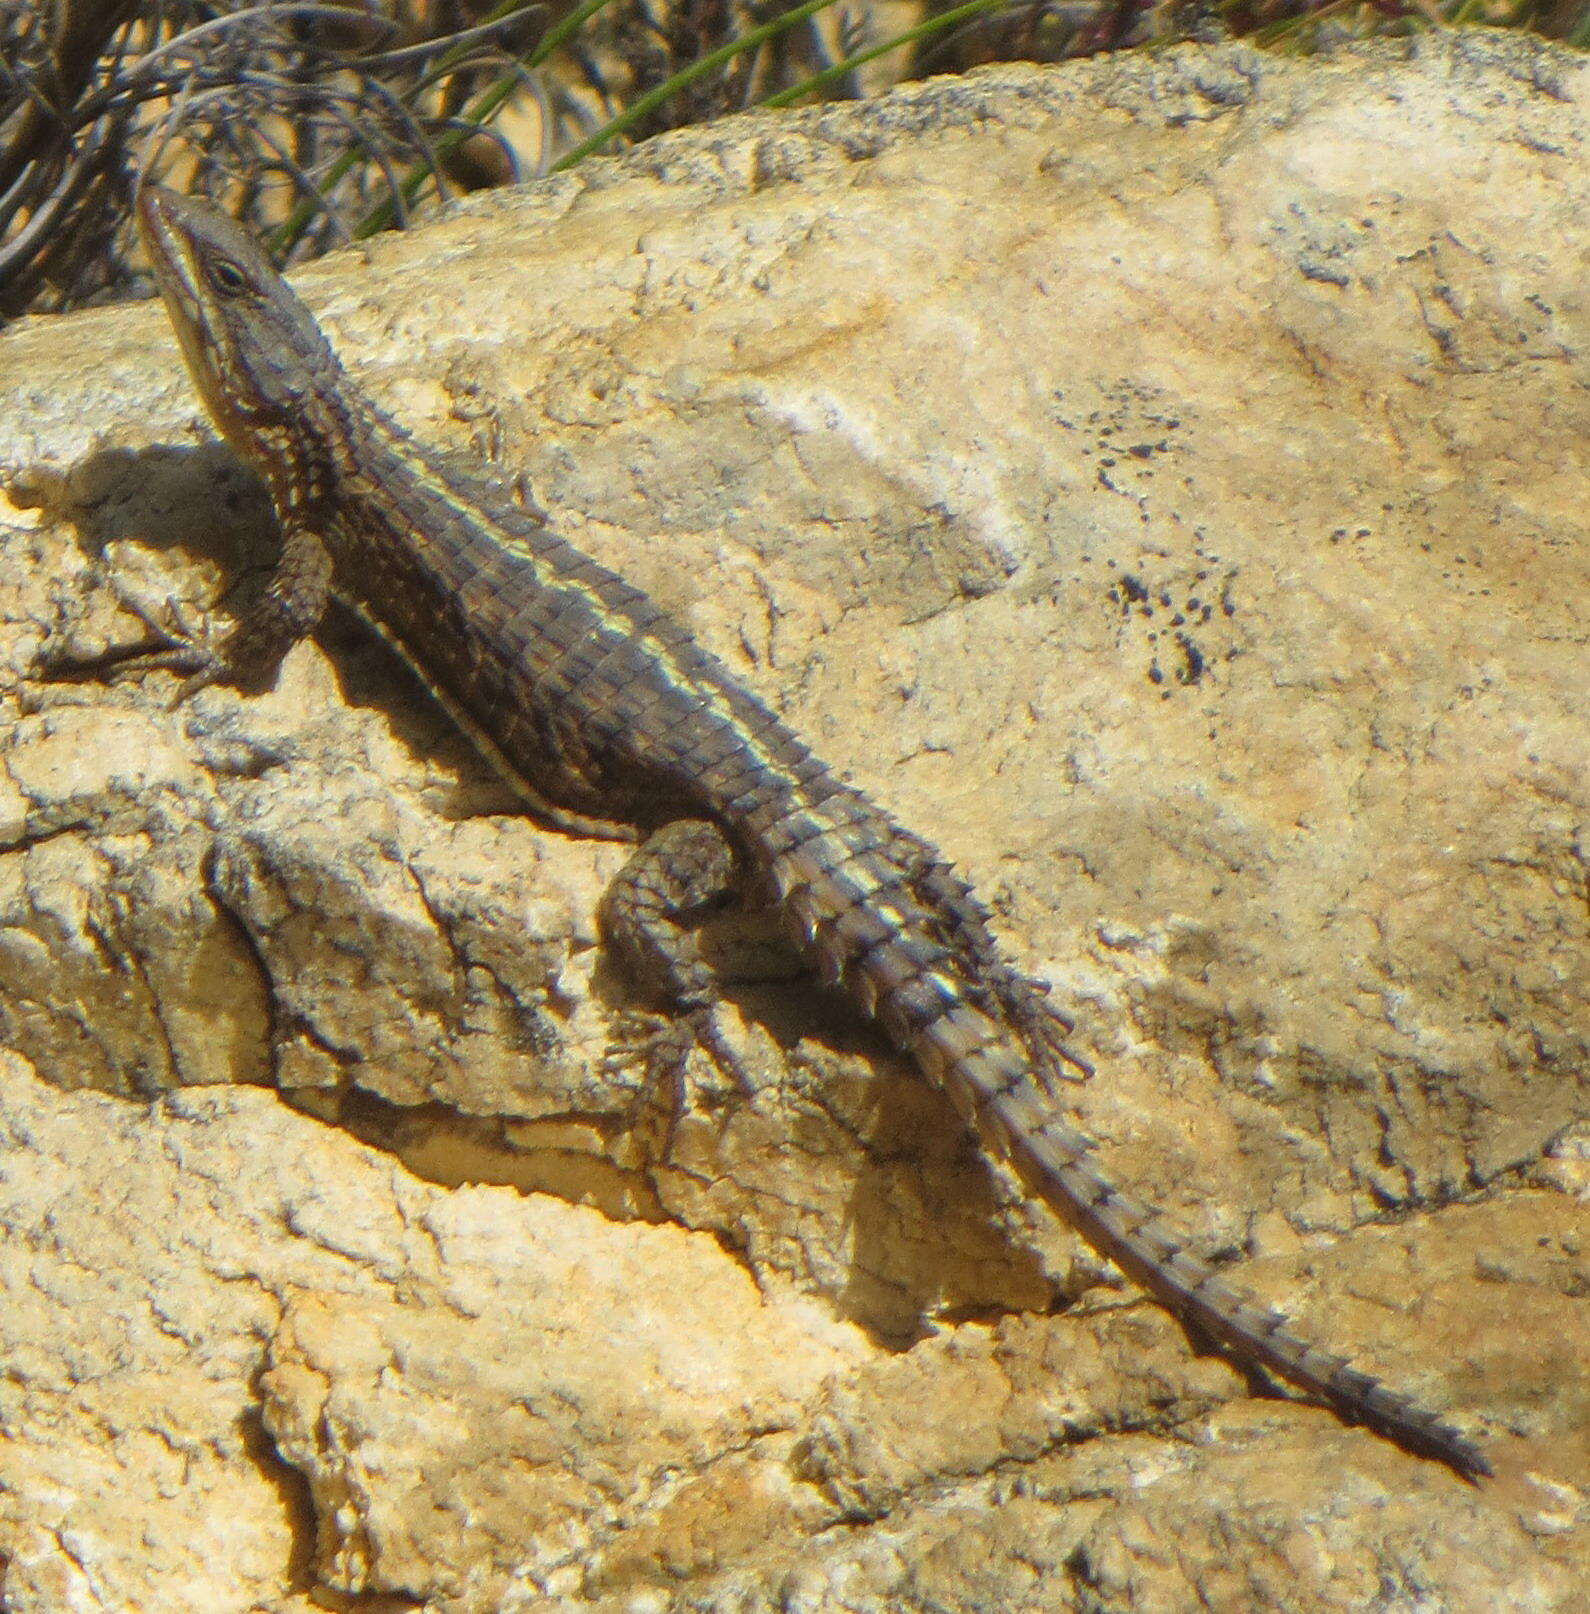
x=228 y=278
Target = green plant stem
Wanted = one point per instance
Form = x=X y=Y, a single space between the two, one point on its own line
x=654 y=98
x=923 y=30
x=485 y=106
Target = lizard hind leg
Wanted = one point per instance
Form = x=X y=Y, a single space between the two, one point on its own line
x=1020 y=1000
x=649 y=916
x=1043 y=1029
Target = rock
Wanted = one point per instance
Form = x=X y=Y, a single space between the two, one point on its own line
x=1157 y=479
x=249 y=1357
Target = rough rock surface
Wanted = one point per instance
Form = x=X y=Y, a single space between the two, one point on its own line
x=1160 y=481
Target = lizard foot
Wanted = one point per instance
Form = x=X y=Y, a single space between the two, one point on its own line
x=663 y=1045
x=1041 y=1026
x=180 y=645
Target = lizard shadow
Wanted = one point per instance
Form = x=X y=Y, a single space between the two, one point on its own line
x=198 y=499
x=835 y=1148
x=202 y=503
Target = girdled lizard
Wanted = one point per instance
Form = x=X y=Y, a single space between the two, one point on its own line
x=612 y=721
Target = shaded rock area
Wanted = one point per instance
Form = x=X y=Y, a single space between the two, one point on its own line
x=1160 y=481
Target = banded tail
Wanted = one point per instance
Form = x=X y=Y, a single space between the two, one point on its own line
x=989 y=1083
x=887 y=919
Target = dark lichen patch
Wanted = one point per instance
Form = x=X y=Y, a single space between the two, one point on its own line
x=1180 y=617
x=1125 y=436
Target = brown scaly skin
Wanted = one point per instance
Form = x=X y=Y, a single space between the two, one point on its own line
x=611 y=720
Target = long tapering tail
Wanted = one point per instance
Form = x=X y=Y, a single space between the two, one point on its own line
x=986 y=1075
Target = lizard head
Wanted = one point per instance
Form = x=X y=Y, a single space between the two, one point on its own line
x=253 y=349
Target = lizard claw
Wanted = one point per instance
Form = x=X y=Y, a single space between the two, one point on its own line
x=202 y=665
x=1042 y=1027
x=662 y=1045
x=181 y=647
x=188 y=649
x=207 y=668
x=1061 y=1063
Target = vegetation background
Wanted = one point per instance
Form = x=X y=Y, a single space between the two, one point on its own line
x=329 y=120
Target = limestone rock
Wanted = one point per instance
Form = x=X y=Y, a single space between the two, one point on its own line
x=1160 y=481
x=249 y=1356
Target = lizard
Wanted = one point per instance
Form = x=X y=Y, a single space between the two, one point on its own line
x=611 y=720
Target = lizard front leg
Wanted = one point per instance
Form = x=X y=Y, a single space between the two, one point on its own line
x=289 y=609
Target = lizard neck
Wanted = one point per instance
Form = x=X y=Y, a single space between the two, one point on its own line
x=311 y=456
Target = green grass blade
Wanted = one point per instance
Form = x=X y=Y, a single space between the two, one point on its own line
x=923 y=30
x=652 y=99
